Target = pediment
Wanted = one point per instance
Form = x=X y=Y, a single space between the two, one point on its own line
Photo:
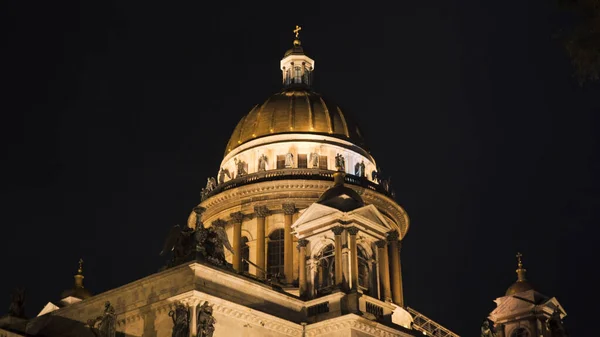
x=48 y=308
x=510 y=306
x=318 y=216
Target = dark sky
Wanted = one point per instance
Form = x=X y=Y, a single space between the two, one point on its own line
x=115 y=113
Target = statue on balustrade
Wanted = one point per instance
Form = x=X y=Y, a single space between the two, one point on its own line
x=340 y=162
x=241 y=167
x=181 y=321
x=205 y=321
x=289 y=160
x=107 y=322
x=262 y=162
x=224 y=172
x=314 y=160
x=211 y=184
x=359 y=169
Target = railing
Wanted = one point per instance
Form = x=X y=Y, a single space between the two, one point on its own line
x=427 y=326
x=295 y=173
x=317 y=309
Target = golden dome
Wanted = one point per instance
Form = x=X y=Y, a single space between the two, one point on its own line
x=294 y=111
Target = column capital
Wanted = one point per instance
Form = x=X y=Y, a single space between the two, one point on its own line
x=199 y=210
x=219 y=222
x=288 y=208
x=237 y=216
x=261 y=211
x=337 y=230
x=352 y=230
x=381 y=243
x=302 y=243
x=393 y=236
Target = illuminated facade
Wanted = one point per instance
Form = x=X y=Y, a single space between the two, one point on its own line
x=315 y=237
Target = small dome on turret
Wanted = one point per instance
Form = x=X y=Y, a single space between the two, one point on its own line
x=521 y=284
x=78 y=290
x=339 y=196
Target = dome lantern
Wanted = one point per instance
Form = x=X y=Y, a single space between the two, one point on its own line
x=297 y=68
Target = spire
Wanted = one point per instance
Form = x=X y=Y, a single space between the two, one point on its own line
x=520 y=270
x=296 y=67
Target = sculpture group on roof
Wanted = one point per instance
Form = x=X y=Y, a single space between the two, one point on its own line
x=200 y=243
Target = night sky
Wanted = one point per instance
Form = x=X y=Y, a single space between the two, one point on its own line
x=115 y=113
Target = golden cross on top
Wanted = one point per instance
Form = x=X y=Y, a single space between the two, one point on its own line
x=297 y=30
x=519 y=255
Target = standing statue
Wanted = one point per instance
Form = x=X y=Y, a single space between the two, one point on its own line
x=205 y=321
x=375 y=176
x=224 y=172
x=359 y=169
x=262 y=162
x=340 y=162
x=106 y=322
x=17 y=303
x=289 y=160
x=211 y=184
x=240 y=167
x=314 y=160
x=181 y=321
x=486 y=329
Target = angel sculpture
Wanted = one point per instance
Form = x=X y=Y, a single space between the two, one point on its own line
x=210 y=242
x=205 y=320
x=224 y=172
x=180 y=317
x=180 y=241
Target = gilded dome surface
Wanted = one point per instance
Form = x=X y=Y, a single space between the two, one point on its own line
x=294 y=111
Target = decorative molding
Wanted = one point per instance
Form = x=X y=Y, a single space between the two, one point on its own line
x=261 y=211
x=302 y=243
x=237 y=217
x=352 y=230
x=337 y=230
x=288 y=208
x=355 y=322
x=381 y=243
x=393 y=236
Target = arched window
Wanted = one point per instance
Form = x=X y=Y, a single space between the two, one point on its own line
x=325 y=275
x=245 y=255
x=520 y=332
x=275 y=258
x=297 y=75
x=363 y=269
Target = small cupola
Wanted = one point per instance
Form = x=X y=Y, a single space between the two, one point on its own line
x=296 y=67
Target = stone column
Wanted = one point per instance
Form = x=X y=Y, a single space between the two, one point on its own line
x=353 y=257
x=394 y=247
x=288 y=269
x=384 y=270
x=302 y=267
x=338 y=254
x=237 y=218
x=261 y=214
x=193 y=317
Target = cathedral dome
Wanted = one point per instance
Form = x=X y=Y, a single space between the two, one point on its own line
x=295 y=110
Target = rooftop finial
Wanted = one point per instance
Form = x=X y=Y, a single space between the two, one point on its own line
x=80 y=270
x=297 y=39
x=297 y=30
x=520 y=270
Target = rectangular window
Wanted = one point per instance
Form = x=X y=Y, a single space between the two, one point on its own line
x=302 y=161
x=280 y=161
x=323 y=162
